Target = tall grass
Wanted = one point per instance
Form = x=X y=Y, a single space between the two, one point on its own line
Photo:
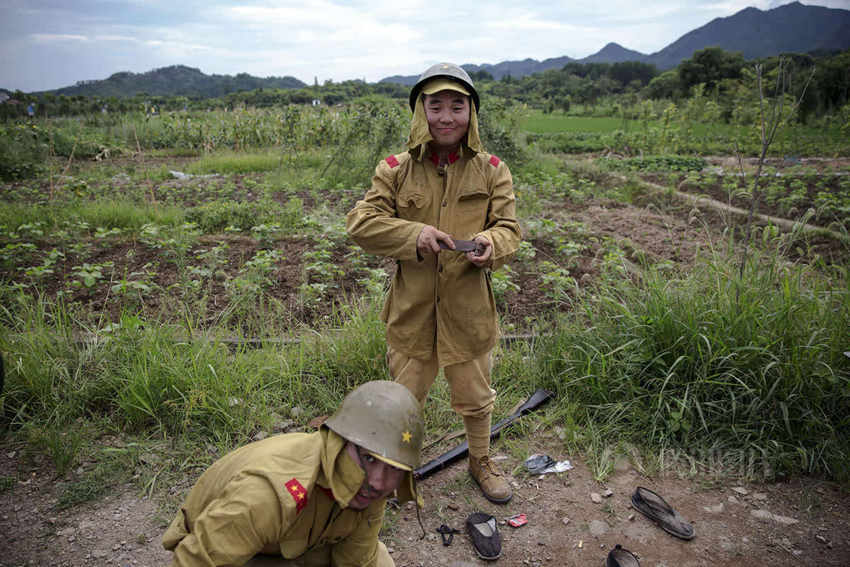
x=232 y=162
x=714 y=362
x=106 y=213
x=147 y=377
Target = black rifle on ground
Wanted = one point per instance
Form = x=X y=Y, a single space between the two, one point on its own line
x=536 y=400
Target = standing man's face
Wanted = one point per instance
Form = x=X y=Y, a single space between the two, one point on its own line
x=448 y=118
x=381 y=478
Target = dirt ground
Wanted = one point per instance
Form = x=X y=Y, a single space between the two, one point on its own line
x=803 y=521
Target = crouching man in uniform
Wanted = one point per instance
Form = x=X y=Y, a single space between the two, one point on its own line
x=306 y=499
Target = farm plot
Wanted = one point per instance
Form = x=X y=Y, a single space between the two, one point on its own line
x=623 y=294
x=234 y=251
x=814 y=190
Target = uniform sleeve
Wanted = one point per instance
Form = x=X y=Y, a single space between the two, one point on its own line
x=360 y=547
x=234 y=527
x=502 y=228
x=373 y=223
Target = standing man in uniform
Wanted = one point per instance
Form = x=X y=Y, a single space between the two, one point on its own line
x=440 y=311
x=306 y=500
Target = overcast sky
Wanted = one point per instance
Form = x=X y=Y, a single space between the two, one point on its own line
x=47 y=44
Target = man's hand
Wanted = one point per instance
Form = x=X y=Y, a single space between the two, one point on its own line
x=482 y=260
x=429 y=240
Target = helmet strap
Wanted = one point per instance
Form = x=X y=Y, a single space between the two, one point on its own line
x=417 y=499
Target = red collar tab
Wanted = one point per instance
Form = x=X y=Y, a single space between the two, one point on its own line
x=494 y=161
x=453 y=157
x=298 y=494
x=392 y=161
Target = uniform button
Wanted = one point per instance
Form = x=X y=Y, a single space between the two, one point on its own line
x=445 y=203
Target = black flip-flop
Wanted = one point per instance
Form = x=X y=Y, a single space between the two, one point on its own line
x=656 y=509
x=447 y=533
x=484 y=533
x=619 y=557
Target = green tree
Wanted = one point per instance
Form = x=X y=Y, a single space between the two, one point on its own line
x=628 y=71
x=709 y=66
x=480 y=76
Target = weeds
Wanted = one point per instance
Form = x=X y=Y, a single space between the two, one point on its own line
x=713 y=360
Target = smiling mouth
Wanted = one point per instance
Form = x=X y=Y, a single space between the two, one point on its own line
x=366 y=495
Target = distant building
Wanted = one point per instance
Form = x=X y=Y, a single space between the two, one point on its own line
x=316 y=102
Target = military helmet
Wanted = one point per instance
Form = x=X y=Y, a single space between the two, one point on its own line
x=448 y=71
x=384 y=418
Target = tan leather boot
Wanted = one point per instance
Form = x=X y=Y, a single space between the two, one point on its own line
x=489 y=478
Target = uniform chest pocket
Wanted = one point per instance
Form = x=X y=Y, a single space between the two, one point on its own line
x=473 y=204
x=411 y=203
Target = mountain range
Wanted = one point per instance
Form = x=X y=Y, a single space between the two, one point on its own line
x=177 y=80
x=792 y=28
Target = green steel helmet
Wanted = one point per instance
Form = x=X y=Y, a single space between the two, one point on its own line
x=384 y=418
x=448 y=71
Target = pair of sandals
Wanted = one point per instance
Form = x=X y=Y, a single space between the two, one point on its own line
x=484 y=532
x=654 y=507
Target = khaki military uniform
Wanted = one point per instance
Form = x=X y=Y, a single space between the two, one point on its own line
x=440 y=311
x=441 y=304
x=285 y=496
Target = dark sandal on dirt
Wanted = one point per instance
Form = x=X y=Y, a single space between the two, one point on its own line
x=485 y=536
x=619 y=557
x=447 y=533
x=656 y=509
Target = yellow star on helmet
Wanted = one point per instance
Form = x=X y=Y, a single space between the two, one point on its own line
x=406 y=436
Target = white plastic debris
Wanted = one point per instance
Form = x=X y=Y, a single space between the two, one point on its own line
x=560 y=466
x=544 y=464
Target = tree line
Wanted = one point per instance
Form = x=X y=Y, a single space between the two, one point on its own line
x=713 y=72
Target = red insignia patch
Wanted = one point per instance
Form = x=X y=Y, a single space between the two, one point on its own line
x=494 y=161
x=298 y=494
x=392 y=161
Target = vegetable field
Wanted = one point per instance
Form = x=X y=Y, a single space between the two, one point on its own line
x=174 y=285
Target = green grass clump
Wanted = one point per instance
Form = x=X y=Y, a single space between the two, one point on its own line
x=22 y=151
x=550 y=123
x=106 y=214
x=218 y=215
x=144 y=376
x=232 y=162
x=656 y=163
x=714 y=362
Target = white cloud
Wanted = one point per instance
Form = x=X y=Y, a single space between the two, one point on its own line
x=338 y=39
x=53 y=37
x=115 y=38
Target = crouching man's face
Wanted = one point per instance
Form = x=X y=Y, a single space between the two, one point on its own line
x=381 y=478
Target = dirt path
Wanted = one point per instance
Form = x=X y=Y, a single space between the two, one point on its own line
x=807 y=522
